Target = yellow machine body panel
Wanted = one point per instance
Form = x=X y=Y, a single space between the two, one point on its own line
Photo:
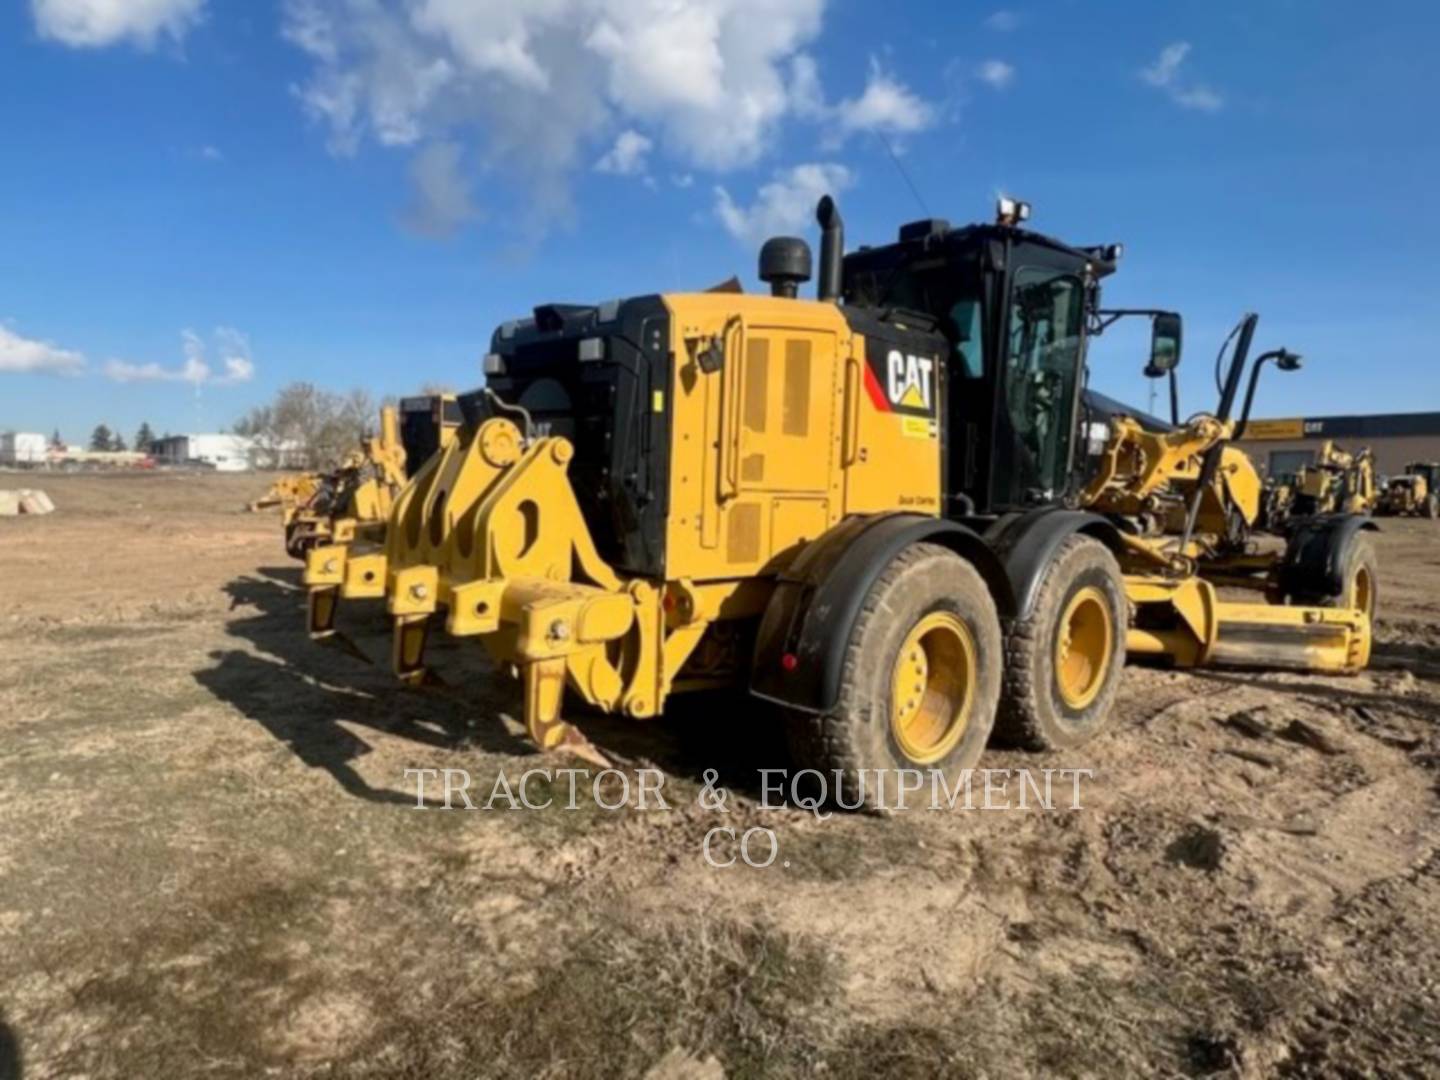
x=1145 y=471
x=784 y=439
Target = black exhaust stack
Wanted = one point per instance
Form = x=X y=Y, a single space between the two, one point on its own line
x=832 y=250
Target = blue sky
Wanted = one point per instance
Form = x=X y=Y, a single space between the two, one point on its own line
x=201 y=200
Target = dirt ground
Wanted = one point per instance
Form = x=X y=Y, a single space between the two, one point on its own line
x=211 y=863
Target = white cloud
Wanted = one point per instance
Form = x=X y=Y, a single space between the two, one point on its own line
x=1165 y=74
x=124 y=371
x=22 y=356
x=1003 y=20
x=1167 y=64
x=785 y=205
x=234 y=353
x=886 y=105
x=1197 y=97
x=627 y=156
x=442 y=203
x=97 y=23
x=211 y=153
x=542 y=87
x=996 y=74
x=233 y=348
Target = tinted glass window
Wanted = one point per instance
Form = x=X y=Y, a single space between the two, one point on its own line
x=1042 y=365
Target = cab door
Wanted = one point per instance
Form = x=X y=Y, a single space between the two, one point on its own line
x=1042 y=353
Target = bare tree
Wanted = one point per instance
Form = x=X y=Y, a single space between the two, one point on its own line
x=305 y=423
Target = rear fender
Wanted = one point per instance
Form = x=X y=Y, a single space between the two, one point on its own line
x=817 y=601
x=1027 y=543
x=1316 y=553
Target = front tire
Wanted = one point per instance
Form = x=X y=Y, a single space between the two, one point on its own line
x=1361 y=577
x=1064 y=660
x=921 y=681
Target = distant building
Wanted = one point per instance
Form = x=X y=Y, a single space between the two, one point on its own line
x=226 y=453
x=23 y=448
x=1282 y=446
x=78 y=455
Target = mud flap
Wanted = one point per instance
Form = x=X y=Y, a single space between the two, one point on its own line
x=1316 y=552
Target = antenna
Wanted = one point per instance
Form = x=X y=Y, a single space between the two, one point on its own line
x=904 y=174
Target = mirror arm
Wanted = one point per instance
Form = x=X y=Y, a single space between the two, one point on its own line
x=1227 y=401
x=1260 y=361
x=1107 y=317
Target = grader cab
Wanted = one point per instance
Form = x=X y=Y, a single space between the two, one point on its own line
x=892 y=511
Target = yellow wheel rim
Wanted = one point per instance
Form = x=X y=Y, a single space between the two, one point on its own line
x=932 y=689
x=1082 y=649
x=1362 y=591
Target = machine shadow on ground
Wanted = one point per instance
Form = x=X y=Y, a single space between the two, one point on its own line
x=300 y=690
x=10 y=1063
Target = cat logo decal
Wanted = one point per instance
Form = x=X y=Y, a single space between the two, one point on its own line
x=901 y=382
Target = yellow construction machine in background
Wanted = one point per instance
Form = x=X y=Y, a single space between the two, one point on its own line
x=356 y=494
x=894 y=511
x=290 y=493
x=341 y=534
x=1336 y=482
x=1415 y=493
x=1277 y=500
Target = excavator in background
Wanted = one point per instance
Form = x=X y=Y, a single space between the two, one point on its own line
x=1337 y=481
x=893 y=512
x=1415 y=493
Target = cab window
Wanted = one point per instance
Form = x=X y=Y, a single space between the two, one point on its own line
x=966 y=333
x=1044 y=334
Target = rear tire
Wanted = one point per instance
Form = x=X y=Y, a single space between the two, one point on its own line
x=1058 y=695
x=920 y=686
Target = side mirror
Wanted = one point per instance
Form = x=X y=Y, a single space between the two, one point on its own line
x=1164 y=344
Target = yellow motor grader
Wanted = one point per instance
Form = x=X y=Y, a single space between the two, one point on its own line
x=352 y=503
x=289 y=493
x=341 y=535
x=868 y=509
x=1415 y=493
x=1336 y=482
x=1191 y=506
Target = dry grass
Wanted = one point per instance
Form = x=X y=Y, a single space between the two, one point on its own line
x=210 y=864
